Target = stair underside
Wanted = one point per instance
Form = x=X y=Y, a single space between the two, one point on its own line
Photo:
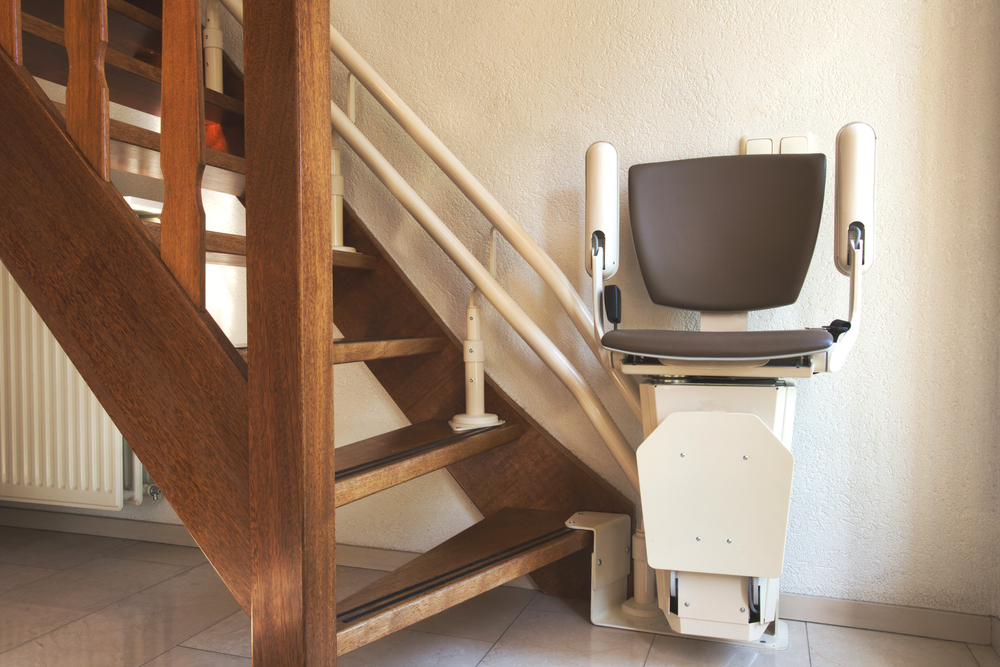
x=502 y=547
x=371 y=465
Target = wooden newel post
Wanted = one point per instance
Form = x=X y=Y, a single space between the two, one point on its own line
x=182 y=147
x=290 y=331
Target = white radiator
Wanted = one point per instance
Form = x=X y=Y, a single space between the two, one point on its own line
x=57 y=444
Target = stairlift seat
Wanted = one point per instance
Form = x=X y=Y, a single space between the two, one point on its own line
x=721 y=235
x=718 y=345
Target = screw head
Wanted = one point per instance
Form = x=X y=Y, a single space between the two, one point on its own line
x=742 y=609
x=745 y=458
x=729 y=541
x=571 y=522
x=598 y=562
x=470 y=352
x=626 y=549
x=687 y=604
x=697 y=539
x=472 y=379
x=682 y=454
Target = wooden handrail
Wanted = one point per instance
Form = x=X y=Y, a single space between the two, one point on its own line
x=87 y=109
x=10 y=29
x=182 y=147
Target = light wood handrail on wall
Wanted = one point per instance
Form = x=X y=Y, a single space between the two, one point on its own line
x=568 y=298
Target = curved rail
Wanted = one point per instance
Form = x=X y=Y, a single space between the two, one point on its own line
x=494 y=293
x=488 y=205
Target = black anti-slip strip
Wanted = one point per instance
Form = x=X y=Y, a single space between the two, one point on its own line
x=436 y=581
x=392 y=458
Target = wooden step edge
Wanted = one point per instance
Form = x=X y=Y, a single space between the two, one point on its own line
x=138 y=15
x=351 y=351
x=36 y=27
x=372 y=465
x=502 y=547
x=231 y=250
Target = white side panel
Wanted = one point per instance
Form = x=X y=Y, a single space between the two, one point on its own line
x=715 y=490
x=57 y=444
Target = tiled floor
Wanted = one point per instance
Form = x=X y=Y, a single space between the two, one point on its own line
x=74 y=600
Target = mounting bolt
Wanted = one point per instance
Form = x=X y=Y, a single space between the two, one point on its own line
x=598 y=562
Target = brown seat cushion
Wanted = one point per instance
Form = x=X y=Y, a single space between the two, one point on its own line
x=711 y=345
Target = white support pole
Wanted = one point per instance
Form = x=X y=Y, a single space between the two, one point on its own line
x=474 y=352
x=337 y=188
x=212 y=38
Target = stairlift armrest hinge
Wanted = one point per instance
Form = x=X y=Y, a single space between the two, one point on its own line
x=837 y=356
x=597 y=274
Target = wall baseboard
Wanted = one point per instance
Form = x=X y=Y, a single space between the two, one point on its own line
x=146 y=531
x=932 y=623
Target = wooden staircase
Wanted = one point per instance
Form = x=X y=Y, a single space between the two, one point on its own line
x=241 y=441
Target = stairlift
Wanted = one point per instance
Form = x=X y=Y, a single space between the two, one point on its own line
x=722 y=236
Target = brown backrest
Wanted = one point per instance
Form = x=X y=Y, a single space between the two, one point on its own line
x=726 y=234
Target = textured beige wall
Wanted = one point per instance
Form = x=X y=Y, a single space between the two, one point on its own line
x=896 y=490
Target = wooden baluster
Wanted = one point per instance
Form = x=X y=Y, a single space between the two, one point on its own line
x=290 y=330
x=10 y=29
x=182 y=147
x=87 y=113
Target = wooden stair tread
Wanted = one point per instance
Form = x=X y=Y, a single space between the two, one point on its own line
x=371 y=465
x=502 y=547
x=350 y=351
x=136 y=150
x=231 y=249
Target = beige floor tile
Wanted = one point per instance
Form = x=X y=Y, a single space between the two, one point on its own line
x=163 y=553
x=14 y=576
x=985 y=655
x=417 y=649
x=350 y=580
x=67 y=595
x=93 y=585
x=186 y=657
x=677 y=652
x=485 y=617
x=135 y=630
x=554 y=631
x=230 y=635
x=832 y=646
x=15 y=537
x=61 y=551
x=21 y=622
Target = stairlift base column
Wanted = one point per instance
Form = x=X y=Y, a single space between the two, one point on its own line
x=610 y=606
